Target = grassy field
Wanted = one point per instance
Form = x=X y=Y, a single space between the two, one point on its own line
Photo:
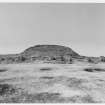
x=52 y=83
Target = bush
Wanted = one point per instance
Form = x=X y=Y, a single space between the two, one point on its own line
x=6 y=89
x=46 y=69
x=94 y=70
x=90 y=60
x=102 y=59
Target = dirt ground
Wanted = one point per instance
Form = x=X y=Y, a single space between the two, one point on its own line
x=52 y=83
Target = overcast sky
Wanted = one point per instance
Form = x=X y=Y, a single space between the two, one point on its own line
x=79 y=26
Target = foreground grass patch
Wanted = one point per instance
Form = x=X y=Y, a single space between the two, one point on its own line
x=43 y=97
x=75 y=82
x=82 y=99
x=6 y=89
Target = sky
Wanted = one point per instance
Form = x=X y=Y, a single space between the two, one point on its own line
x=78 y=26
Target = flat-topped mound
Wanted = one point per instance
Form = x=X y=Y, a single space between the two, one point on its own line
x=49 y=50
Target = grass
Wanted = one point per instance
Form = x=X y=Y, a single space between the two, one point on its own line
x=75 y=82
x=43 y=97
x=62 y=84
x=46 y=97
x=88 y=99
x=80 y=99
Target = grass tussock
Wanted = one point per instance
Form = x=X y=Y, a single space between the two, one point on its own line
x=88 y=99
x=6 y=89
x=3 y=70
x=46 y=77
x=75 y=82
x=43 y=97
x=46 y=69
x=82 y=99
x=94 y=70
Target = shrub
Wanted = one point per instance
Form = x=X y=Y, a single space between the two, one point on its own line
x=45 y=69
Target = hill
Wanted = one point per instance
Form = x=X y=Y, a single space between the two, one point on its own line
x=54 y=53
x=49 y=50
x=49 y=54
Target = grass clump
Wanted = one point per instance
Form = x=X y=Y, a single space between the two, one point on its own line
x=94 y=70
x=3 y=70
x=6 y=89
x=47 y=77
x=46 y=69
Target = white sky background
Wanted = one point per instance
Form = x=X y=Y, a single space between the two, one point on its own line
x=79 y=26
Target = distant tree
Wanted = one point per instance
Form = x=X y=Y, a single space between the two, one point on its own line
x=71 y=61
x=62 y=58
x=10 y=59
x=67 y=59
x=20 y=59
x=90 y=60
x=2 y=59
x=102 y=58
x=53 y=58
x=23 y=58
